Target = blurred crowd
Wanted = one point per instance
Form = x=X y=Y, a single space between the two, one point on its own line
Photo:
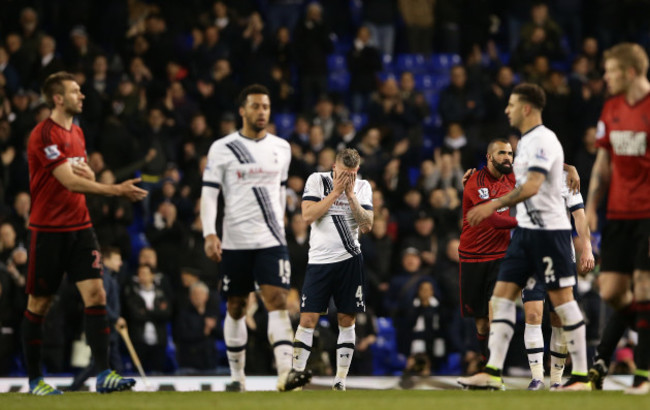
x=418 y=87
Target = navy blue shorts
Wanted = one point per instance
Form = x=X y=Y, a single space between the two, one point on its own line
x=540 y=256
x=244 y=269
x=536 y=291
x=344 y=281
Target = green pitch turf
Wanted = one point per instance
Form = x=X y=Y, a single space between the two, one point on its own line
x=330 y=400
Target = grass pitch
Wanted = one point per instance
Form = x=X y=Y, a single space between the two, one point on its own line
x=331 y=400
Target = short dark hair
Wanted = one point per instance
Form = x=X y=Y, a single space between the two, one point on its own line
x=349 y=157
x=54 y=85
x=494 y=141
x=533 y=94
x=252 y=89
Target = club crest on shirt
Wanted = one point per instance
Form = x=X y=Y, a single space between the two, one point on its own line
x=483 y=193
x=52 y=152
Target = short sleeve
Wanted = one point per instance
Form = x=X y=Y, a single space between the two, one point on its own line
x=313 y=188
x=214 y=169
x=473 y=193
x=49 y=149
x=541 y=156
x=365 y=196
x=574 y=202
x=602 y=132
x=286 y=163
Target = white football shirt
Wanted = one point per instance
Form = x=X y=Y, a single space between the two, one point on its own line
x=334 y=236
x=250 y=174
x=539 y=150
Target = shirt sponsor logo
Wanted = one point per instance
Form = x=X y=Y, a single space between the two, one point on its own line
x=52 y=152
x=600 y=130
x=483 y=193
x=628 y=143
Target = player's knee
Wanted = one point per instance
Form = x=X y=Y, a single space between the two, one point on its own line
x=96 y=297
x=39 y=305
x=533 y=318
x=308 y=320
x=236 y=307
x=346 y=320
x=275 y=300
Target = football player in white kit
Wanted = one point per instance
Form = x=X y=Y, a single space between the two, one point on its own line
x=533 y=297
x=541 y=244
x=338 y=206
x=250 y=168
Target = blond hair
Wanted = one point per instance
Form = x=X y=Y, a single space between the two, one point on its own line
x=629 y=55
x=349 y=157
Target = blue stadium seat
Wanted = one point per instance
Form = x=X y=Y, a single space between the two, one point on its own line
x=387 y=61
x=338 y=81
x=434 y=82
x=443 y=62
x=284 y=124
x=385 y=75
x=359 y=120
x=336 y=62
x=385 y=358
x=432 y=98
x=415 y=63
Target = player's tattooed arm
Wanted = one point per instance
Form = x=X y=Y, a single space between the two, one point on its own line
x=598 y=185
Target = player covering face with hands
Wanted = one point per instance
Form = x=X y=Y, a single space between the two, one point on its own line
x=338 y=205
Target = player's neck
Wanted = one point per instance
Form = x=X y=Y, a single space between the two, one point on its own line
x=62 y=118
x=529 y=123
x=637 y=90
x=251 y=133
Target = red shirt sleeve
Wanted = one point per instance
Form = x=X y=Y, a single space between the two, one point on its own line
x=504 y=221
x=48 y=147
x=471 y=190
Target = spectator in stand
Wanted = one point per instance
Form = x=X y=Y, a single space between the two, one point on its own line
x=388 y=111
x=445 y=173
x=424 y=321
x=459 y=103
x=537 y=44
x=373 y=157
x=540 y=18
x=364 y=62
x=424 y=239
x=585 y=158
x=377 y=250
x=313 y=44
x=418 y=18
x=19 y=217
x=147 y=310
x=456 y=142
x=298 y=244
x=196 y=331
x=591 y=50
x=20 y=57
x=345 y=136
x=47 y=63
x=379 y=17
x=168 y=236
x=9 y=72
x=83 y=51
x=325 y=117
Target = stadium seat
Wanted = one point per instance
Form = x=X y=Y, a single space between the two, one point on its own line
x=359 y=120
x=442 y=62
x=432 y=98
x=284 y=124
x=336 y=62
x=415 y=63
x=385 y=358
x=387 y=61
x=338 y=81
x=435 y=82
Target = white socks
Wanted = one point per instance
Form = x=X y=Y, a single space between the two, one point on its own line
x=236 y=337
x=280 y=335
x=344 y=351
x=302 y=343
x=501 y=330
x=574 y=335
x=534 y=341
x=558 y=351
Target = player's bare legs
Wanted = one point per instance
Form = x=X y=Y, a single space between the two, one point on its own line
x=616 y=291
x=573 y=324
x=236 y=337
x=534 y=341
x=641 y=385
x=280 y=332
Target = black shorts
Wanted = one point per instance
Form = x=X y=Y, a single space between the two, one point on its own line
x=344 y=281
x=52 y=254
x=535 y=291
x=243 y=270
x=477 y=280
x=539 y=255
x=625 y=246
